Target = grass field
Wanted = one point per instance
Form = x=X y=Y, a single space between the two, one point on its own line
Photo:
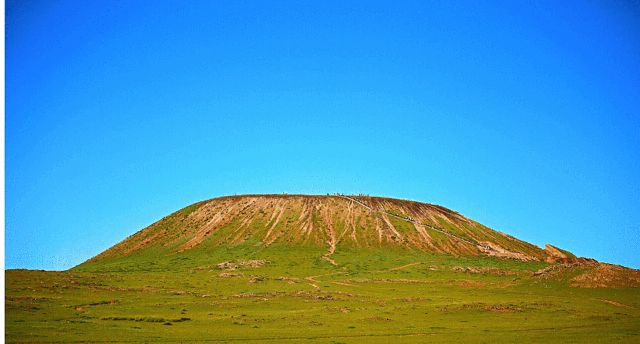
x=373 y=295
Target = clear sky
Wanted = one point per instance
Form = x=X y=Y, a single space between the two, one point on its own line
x=524 y=116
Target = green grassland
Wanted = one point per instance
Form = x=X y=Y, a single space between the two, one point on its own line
x=373 y=295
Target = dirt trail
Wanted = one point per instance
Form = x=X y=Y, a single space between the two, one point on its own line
x=312 y=279
x=331 y=242
x=327 y=256
x=404 y=266
x=345 y=284
x=617 y=304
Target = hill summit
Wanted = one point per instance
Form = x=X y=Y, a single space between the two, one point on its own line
x=331 y=222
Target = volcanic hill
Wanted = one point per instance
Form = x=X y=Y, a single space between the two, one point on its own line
x=332 y=222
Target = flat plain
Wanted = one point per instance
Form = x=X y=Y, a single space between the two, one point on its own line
x=375 y=296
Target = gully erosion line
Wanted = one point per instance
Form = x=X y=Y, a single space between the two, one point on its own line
x=408 y=219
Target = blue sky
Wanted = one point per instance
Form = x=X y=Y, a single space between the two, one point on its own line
x=524 y=116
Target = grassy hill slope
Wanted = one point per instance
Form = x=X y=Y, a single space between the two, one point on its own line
x=332 y=223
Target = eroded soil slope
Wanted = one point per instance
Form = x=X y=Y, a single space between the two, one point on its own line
x=330 y=222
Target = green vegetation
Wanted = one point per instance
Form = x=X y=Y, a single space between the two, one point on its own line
x=373 y=295
x=275 y=269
